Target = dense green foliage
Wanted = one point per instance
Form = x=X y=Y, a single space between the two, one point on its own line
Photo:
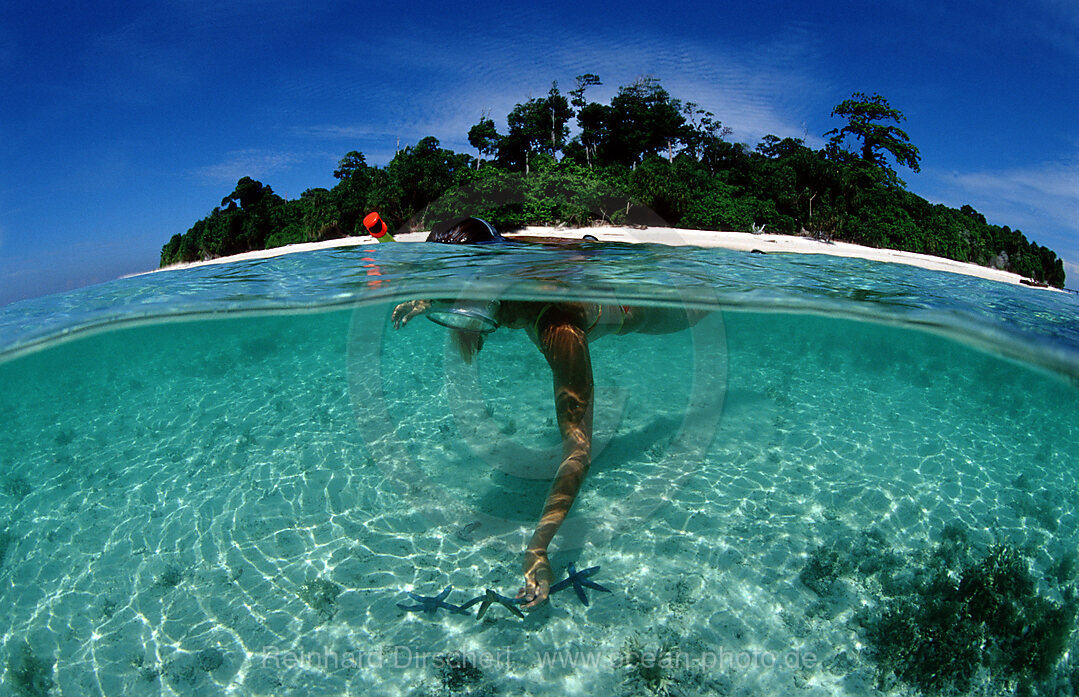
x=643 y=155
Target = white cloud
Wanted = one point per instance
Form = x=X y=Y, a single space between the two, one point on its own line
x=1071 y=271
x=342 y=132
x=753 y=91
x=1047 y=192
x=1055 y=182
x=1042 y=201
x=257 y=164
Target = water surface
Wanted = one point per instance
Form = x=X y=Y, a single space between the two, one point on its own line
x=222 y=480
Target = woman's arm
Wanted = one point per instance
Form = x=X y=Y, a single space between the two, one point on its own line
x=564 y=344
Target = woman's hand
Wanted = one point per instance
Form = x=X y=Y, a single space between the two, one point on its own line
x=406 y=311
x=538 y=578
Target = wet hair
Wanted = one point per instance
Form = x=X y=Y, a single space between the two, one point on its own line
x=467 y=343
x=464 y=231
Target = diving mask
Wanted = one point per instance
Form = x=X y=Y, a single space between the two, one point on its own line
x=475 y=316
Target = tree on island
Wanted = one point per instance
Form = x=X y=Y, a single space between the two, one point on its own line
x=539 y=126
x=644 y=120
x=590 y=117
x=864 y=115
x=484 y=137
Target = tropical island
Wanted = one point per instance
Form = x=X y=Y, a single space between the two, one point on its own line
x=645 y=158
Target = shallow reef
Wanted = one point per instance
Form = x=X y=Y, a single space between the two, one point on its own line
x=953 y=617
x=457 y=673
x=6 y=539
x=649 y=671
x=28 y=675
x=171 y=576
x=321 y=596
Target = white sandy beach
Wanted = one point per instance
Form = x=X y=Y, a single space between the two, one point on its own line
x=740 y=241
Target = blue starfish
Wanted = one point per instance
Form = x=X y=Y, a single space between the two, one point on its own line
x=579 y=580
x=429 y=604
x=490 y=597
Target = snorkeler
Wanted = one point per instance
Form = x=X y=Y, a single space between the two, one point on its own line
x=562 y=332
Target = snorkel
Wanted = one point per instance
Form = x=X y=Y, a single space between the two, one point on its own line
x=377 y=228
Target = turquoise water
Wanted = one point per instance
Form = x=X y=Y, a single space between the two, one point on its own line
x=223 y=480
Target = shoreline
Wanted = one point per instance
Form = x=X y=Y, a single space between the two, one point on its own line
x=769 y=243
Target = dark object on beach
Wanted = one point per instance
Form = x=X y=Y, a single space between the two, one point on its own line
x=590 y=238
x=429 y=604
x=489 y=596
x=579 y=580
x=757 y=251
x=1033 y=284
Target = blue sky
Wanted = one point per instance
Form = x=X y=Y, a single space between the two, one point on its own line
x=123 y=123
